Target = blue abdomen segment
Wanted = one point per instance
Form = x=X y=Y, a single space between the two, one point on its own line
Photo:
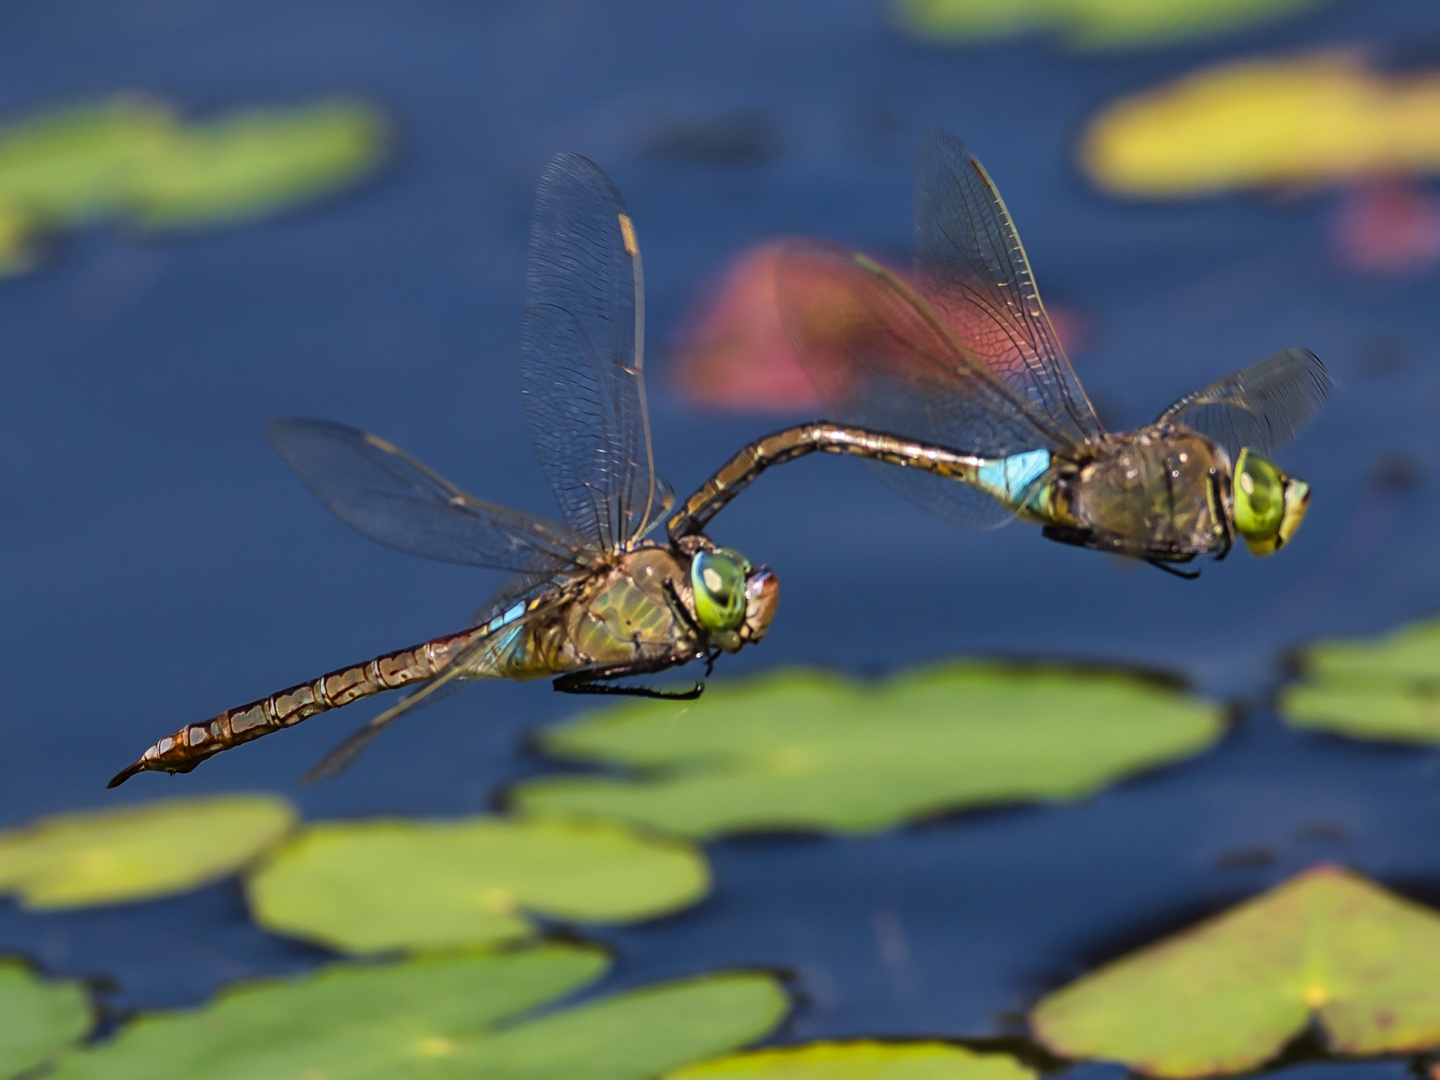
x=1009 y=478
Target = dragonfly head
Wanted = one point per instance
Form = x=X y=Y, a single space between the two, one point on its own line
x=1269 y=505
x=733 y=600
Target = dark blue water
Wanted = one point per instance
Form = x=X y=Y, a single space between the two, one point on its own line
x=161 y=564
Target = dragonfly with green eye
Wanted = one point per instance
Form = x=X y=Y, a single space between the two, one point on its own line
x=955 y=373
x=592 y=601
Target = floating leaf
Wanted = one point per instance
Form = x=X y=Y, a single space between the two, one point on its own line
x=1087 y=24
x=1379 y=688
x=138 y=852
x=1263 y=123
x=252 y=164
x=1228 y=995
x=861 y=1060
x=441 y=1017
x=38 y=1019
x=804 y=750
x=390 y=884
x=132 y=157
x=633 y=1036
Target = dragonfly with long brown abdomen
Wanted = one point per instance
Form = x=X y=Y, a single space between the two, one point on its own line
x=960 y=354
x=593 y=601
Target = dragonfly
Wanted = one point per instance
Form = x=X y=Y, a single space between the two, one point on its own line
x=592 y=602
x=955 y=372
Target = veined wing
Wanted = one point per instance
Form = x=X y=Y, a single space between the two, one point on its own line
x=449 y=680
x=385 y=494
x=972 y=268
x=881 y=358
x=581 y=356
x=1264 y=405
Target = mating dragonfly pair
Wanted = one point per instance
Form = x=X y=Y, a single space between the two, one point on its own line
x=952 y=376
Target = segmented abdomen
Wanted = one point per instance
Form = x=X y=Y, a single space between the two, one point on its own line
x=193 y=743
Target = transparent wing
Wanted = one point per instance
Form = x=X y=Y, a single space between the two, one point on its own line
x=1264 y=405
x=581 y=350
x=971 y=266
x=450 y=680
x=385 y=494
x=881 y=358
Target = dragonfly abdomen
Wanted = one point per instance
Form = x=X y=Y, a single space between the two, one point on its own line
x=192 y=744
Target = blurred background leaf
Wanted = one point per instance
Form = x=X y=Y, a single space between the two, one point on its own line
x=860 y=1060
x=38 y=1018
x=138 y=852
x=1087 y=24
x=373 y=886
x=1385 y=687
x=805 y=750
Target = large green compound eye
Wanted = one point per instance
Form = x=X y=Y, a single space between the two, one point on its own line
x=1269 y=505
x=718 y=581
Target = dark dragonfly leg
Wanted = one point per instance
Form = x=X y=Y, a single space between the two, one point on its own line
x=1188 y=575
x=737 y=474
x=597 y=681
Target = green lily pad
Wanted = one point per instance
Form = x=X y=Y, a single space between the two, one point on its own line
x=861 y=1060
x=441 y=1017
x=138 y=852
x=1378 y=688
x=372 y=886
x=804 y=750
x=253 y=164
x=1227 y=995
x=131 y=157
x=1087 y=24
x=38 y=1019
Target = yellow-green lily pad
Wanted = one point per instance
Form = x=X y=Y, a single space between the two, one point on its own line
x=38 y=1019
x=806 y=750
x=371 y=886
x=860 y=1060
x=1227 y=995
x=1087 y=24
x=253 y=164
x=138 y=852
x=460 y=1016
x=132 y=157
x=1386 y=687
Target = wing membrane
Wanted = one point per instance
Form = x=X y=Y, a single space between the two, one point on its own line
x=972 y=267
x=1264 y=405
x=581 y=350
x=385 y=494
x=881 y=358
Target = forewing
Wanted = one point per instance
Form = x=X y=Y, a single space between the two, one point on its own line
x=581 y=351
x=1263 y=406
x=390 y=497
x=880 y=358
x=970 y=264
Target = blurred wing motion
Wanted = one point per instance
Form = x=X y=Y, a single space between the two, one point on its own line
x=581 y=357
x=385 y=494
x=882 y=359
x=1263 y=406
x=971 y=266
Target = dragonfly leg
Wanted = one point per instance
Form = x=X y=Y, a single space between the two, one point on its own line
x=1188 y=575
x=598 y=681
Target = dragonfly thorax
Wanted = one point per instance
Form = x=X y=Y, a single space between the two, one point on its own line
x=1158 y=493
